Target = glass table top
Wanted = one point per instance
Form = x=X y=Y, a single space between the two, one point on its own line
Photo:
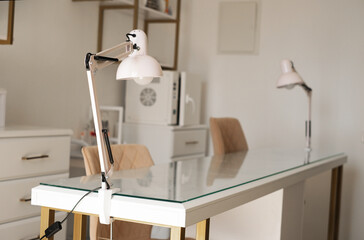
x=193 y=178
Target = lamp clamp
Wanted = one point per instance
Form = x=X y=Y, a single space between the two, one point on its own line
x=104 y=181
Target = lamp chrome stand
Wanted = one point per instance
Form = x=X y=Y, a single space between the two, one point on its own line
x=308 y=124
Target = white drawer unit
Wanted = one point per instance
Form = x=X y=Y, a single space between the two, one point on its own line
x=188 y=142
x=17 y=205
x=168 y=143
x=28 y=229
x=34 y=156
x=29 y=155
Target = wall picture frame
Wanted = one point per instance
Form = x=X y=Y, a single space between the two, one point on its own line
x=6 y=21
x=237 y=27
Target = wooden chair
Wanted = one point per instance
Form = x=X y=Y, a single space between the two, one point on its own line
x=227 y=135
x=126 y=156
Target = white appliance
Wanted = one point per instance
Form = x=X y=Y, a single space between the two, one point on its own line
x=173 y=99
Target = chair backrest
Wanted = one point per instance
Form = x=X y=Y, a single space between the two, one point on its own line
x=126 y=156
x=227 y=135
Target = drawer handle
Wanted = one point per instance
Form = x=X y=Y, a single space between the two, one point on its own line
x=25 y=199
x=35 y=157
x=191 y=142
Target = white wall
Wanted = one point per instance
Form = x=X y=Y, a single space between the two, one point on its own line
x=44 y=75
x=325 y=40
x=43 y=71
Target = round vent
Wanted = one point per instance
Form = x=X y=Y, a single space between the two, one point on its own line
x=148 y=97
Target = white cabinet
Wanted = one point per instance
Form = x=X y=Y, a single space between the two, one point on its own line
x=168 y=143
x=29 y=155
x=28 y=229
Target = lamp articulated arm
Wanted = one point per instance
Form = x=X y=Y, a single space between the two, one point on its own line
x=136 y=65
x=93 y=63
x=106 y=58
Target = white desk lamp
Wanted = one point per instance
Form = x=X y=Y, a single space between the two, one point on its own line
x=289 y=79
x=136 y=65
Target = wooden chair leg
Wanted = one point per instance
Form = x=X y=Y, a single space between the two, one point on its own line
x=177 y=233
x=203 y=229
x=79 y=227
x=335 y=198
x=46 y=219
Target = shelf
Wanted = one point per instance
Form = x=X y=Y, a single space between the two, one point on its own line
x=150 y=16
x=144 y=12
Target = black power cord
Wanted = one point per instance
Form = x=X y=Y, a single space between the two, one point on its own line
x=57 y=226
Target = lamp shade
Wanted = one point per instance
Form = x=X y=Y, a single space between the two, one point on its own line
x=139 y=66
x=289 y=77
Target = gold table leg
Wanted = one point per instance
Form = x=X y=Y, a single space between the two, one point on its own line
x=46 y=219
x=335 y=198
x=79 y=227
x=203 y=229
x=177 y=233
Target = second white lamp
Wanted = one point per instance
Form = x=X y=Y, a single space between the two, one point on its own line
x=289 y=79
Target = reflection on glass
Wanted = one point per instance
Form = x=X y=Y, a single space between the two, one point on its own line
x=185 y=180
x=224 y=166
